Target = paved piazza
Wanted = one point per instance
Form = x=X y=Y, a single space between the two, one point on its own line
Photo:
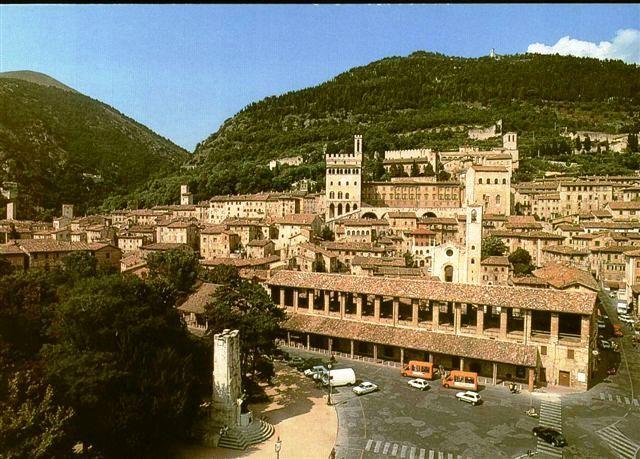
x=399 y=421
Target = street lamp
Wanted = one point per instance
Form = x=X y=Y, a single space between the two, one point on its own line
x=329 y=380
x=278 y=447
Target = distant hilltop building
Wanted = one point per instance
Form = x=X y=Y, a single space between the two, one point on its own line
x=617 y=142
x=486 y=133
x=291 y=161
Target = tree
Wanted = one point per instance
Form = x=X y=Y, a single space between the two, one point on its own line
x=443 y=176
x=32 y=424
x=179 y=267
x=408 y=260
x=326 y=234
x=415 y=170
x=587 y=143
x=493 y=246
x=428 y=170
x=632 y=142
x=319 y=265
x=246 y=307
x=124 y=361
x=79 y=265
x=578 y=143
x=222 y=274
x=521 y=261
x=6 y=267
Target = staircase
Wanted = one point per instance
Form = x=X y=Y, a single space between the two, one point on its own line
x=240 y=437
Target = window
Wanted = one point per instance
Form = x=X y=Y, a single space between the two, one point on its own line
x=480 y=181
x=570 y=354
x=543 y=350
x=495 y=182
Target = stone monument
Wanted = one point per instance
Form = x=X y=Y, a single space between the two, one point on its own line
x=237 y=430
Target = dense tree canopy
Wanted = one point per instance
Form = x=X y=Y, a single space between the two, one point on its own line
x=178 y=267
x=493 y=246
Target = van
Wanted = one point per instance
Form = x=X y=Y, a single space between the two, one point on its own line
x=622 y=307
x=339 y=377
x=467 y=380
x=418 y=369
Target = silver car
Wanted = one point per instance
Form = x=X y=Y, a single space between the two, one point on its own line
x=365 y=387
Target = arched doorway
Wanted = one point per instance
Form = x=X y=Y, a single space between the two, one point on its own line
x=448 y=273
x=332 y=211
x=339 y=209
x=370 y=215
x=430 y=215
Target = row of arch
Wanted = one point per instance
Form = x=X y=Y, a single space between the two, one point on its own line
x=332 y=195
x=343 y=171
x=336 y=211
x=495 y=181
x=372 y=215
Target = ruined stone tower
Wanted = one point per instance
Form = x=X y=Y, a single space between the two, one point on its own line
x=227 y=381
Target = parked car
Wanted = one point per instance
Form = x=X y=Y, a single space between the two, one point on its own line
x=626 y=320
x=419 y=384
x=313 y=371
x=365 y=387
x=310 y=363
x=469 y=396
x=549 y=435
x=604 y=344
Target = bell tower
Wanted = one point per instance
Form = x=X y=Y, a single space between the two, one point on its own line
x=473 y=242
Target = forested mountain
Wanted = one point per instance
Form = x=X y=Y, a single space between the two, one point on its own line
x=37 y=78
x=423 y=100
x=63 y=147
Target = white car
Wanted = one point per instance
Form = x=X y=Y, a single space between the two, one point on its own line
x=313 y=371
x=469 y=396
x=365 y=387
x=605 y=344
x=419 y=384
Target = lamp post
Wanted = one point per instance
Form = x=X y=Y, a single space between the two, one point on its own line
x=329 y=380
x=278 y=447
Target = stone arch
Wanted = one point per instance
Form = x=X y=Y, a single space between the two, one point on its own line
x=346 y=195
x=430 y=215
x=339 y=209
x=495 y=182
x=448 y=273
x=332 y=210
x=339 y=194
x=355 y=207
x=347 y=208
x=370 y=215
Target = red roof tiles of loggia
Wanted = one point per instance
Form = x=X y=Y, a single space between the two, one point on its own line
x=517 y=297
x=442 y=343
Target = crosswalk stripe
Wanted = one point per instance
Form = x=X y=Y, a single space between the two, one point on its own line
x=430 y=454
x=635 y=402
x=610 y=398
x=449 y=456
x=403 y=452
x=602 y=396
x=618 y=442
x=626 y=400
x=369 y=443
x=412 y=453
x=618 y=399
x=394 y=450
x=422 y=451
x=377 y=448
x=386 y=448
x=440 y=455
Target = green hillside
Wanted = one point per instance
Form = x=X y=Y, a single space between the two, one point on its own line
x=63 y=147
x=423 y=100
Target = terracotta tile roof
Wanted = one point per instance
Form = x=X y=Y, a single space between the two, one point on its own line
x=569 y=227
x=241 y=262
x=625 y=205
x=401 y=215
x=296 y=219
x=372 y=262
x=490 y=168
x=317 y=249
x=578 y=303
x=526 y=235
x=133 y=260
x=213 y=229
x=160 y=246
x=529 y=281
x=51 y=245
x=437 y=342
x=561 y=276
x=197 y=301
x=353 y=246
x=494 y=217
x=633 y=253
x=10 y=249
x=612 y=225
x=565 y=250
x=364 y=222
x=601 y=213
x=421 y=232
x=438 y=221
x=496 y=261
x=614 y=249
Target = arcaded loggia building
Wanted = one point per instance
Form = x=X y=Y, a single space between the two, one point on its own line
x=503 y=333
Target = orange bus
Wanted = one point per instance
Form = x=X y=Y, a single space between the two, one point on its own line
x=467 y=380
x=418 y=369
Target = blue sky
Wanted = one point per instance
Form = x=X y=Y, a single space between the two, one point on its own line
x=183 y=69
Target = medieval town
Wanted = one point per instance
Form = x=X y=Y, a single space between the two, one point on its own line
x=423 y=257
